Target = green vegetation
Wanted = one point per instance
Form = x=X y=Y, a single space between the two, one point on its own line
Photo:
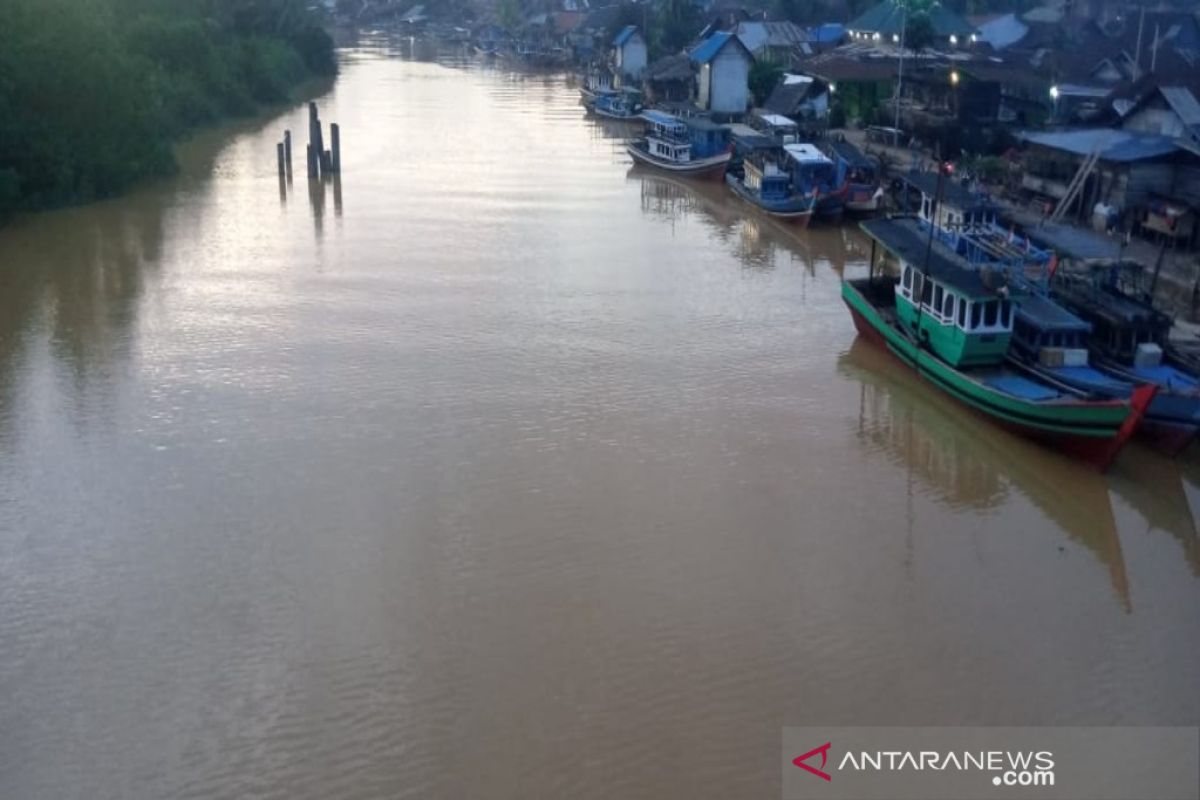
x=668 y=26
x=764 y=77
x=93 y=92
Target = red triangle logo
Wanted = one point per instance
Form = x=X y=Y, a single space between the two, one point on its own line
x=820 y=773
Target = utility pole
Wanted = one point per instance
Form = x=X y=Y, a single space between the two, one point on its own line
x=1137 y=57
x=899 y=75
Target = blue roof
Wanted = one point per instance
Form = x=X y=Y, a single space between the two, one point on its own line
x=707 y=50
x=827 y=33
x=625 y=35
x=660 y=118
x=1112 y=145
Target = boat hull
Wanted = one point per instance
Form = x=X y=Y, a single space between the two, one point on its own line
x=863 y=199
x=606 y=114
x=1091 y=431
x=1167 y=437
x=713 y=167
x=796 y=212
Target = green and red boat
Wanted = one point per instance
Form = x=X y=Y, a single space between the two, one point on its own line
x=952 y=321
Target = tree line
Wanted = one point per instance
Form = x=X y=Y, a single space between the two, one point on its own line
x=93 y=92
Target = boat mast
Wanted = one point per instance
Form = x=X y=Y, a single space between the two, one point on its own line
x=899 y=74
x=925 y=271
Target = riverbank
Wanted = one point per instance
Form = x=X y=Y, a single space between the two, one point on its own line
x=96 y=95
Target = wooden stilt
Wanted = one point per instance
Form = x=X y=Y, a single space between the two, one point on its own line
x=287 y=153
x=335 y=135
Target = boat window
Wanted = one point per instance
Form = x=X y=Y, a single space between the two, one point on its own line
x=990 y=311
x=976 y=315
x=918 y=279
x=948 y=307
x=962 y=315
x=908 y=277
x=1006 y=313
x=937 y=299
x=926 y=292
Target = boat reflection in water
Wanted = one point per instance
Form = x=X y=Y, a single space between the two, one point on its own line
x=968 y=464
x=1157 y=488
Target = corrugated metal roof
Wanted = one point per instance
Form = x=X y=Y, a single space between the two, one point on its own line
x=659 y=118
x=952 y=192
x=1049 y=316
x=756 y=35
x=625 y=35
x=1112 y=145
x=806 y=154
x=905 y=238
x=1183 y=103
x=777 y=120
x=1072 y=242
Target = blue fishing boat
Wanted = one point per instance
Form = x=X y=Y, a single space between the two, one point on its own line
x=813 y=171
x=625 y=105
x=860 y=174
x=681 y=147
x=1129 y=343
x=767 y=183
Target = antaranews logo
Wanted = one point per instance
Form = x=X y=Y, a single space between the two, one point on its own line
x=1006 y=768
x=823 y=750
x=986 y=763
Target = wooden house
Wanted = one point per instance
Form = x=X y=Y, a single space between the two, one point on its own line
x=629 y=54
x=724 y=82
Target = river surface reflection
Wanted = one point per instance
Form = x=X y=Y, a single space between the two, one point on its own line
x=502 y=469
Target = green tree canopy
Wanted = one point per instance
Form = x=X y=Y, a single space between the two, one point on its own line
x=93 y=91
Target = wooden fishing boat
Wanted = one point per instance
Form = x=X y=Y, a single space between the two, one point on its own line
x=625 y=105
x=668 y=146
x=949 y=321
x=814 y=171
x=768 y=186
x=859 y=174
x=1129 y=344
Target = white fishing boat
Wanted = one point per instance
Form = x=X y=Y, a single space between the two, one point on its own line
x=668 y=146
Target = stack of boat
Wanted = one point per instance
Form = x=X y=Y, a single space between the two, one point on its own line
x=1071 y=360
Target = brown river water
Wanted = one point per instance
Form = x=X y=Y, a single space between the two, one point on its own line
x=501 y=469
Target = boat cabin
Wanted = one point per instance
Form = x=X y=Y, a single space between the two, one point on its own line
x=811 y=168
x=707 y=137
x=777 y=126
x=962 y=321
x=1124 y=328
x=1045 y=332
x=625 y=103
x=943 y=301
x=959 y=208
x=767 y=178
x=852 y=166
x=667 y=136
